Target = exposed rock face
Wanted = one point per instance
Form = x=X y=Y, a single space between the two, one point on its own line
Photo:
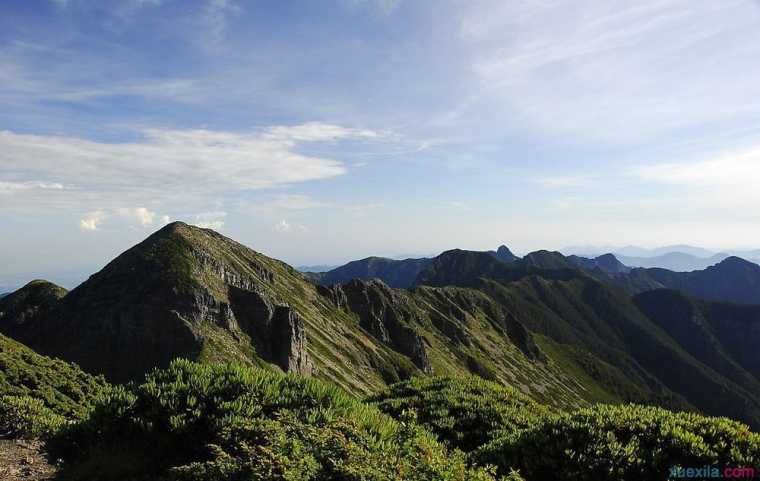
x=520 y=337
x=276 y=330
x=183 y=292
x=384 y=315
x=288 y=341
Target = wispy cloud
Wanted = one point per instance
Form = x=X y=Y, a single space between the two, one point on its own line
x=91 y=221
x=131 y=216
x=168 y=163
x=729 y=170
x=285 y=226
x=210 y=220
x=617 y=71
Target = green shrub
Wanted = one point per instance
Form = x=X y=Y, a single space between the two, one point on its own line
x=464 y=412
x=621 y=443
x=62 y=387
x=26 y=417
x=194 y=422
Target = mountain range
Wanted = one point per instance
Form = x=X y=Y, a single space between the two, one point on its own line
x=567 y=331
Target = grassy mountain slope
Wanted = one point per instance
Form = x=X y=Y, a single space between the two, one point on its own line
x=600 y=337
x=193 y=293
x=560 y=334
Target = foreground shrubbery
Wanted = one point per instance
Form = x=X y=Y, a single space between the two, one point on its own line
x=635 y=443
x=38 y=394
x=224 y=422
x=502 y=427
x=464 y=412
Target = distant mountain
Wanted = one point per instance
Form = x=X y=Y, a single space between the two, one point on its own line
x=316 y=268
x=395 y=273
x=193 y=293
x=734 y=279
x=606 y=263
x=563 y=334
x=504 y=254
x=674 y=261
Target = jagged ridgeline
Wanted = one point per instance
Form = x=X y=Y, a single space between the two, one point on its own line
x=193 y=293
x=566 y=332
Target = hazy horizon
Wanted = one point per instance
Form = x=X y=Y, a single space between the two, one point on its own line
x=320 y=132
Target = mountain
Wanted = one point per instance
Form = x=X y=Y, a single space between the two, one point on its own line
x=193 y=293
x=504 y=254
x=674 y=261
x=606 y=263
x=316 y=268
x=395 y=273
x=400 y=273
x=734 y=279
x=563 y=335
x=590 y=327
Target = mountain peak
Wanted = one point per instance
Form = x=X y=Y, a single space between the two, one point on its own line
x=544 y=259
x=734 y=261
x=504 y=254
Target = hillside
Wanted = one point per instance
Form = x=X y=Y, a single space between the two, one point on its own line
x=733 y=279
x=193 y=293
x=562 y=335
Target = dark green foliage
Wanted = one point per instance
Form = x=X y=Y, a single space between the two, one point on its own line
x=621 y=443
x=733 y=279
x=228 y=422
x=464 y=412
x=58 y=386
x=26 y=417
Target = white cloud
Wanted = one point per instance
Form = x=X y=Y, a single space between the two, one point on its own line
x=282 y=226
x=285 y=226
x=319 y=132
x=91 y=220
x=729 y=170
x=616 y=70
x=165 y=165
x=16 y=187
x=210 y=220
x=140 y=214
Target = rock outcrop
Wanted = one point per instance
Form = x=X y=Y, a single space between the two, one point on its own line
x=384 y=315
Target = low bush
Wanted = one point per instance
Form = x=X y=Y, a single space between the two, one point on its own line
x=622 y=443
x=194 y=422
x=26 y=417
x=464 y=412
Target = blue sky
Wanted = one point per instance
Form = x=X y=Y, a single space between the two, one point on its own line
x=318 y=132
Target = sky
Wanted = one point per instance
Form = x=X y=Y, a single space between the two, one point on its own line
x=318 y=132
